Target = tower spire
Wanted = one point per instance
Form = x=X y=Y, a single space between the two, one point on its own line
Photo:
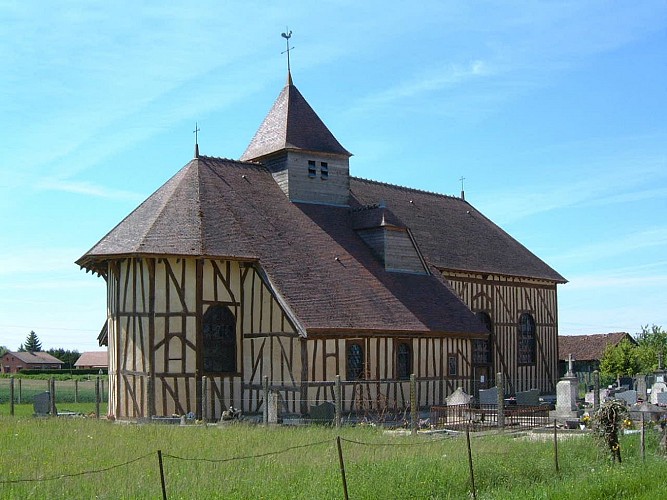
x=287 y=35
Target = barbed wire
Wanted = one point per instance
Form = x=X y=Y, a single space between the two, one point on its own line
x=75 y=474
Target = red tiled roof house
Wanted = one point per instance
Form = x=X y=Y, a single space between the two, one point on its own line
x=587 y=351
x=282 y=265
x=92 y=359
x=14 y=362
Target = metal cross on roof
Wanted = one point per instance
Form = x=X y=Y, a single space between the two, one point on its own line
x=287 y=35
x=196 y=132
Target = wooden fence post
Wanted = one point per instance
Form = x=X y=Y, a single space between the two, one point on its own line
x=102 y=390
x=54 y=411
x=643 y=438
x=500 y=385
x=556 y=446
x=472 y=472
x=204 y=399
x=97 y=397
x=162 y=481
x=413 y=405
x=265 y=390
x=11 y=395
x=342 y=467
x=338 y=408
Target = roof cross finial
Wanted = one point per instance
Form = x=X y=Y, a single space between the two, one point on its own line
x=196 y=132
x=463 y=194
x=287 y=35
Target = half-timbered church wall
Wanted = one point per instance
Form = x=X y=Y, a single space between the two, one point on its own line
x=525 y=364
x=156 y=337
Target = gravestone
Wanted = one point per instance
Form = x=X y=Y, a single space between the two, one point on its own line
x=323 y=413
x=42 y=404
x=273 y=407
x=488 y=396
x=458 y=397
x=657 y=388
x=528 y=398
x=630 y=397
x=640 y=384
x=661 y=398
x=567 y=391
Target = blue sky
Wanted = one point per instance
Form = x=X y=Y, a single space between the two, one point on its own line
x=554 y=112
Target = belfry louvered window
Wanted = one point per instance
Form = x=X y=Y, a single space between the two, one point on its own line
x=219 y=339
x=312 y=168
x=527 y=341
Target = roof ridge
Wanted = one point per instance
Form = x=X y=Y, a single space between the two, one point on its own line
x=409 y=189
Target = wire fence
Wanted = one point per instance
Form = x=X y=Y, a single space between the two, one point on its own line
x=164 y=458
x=46 y=395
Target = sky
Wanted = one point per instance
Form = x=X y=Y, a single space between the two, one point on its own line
x=554 y=113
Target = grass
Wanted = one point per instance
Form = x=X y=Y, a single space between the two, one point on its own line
x=295 y=463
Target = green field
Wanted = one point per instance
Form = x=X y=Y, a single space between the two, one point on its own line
x=88 y=458
x=67 y=391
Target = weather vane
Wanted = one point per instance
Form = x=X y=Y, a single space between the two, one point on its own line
x=287 y=35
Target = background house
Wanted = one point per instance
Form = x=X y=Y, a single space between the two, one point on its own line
x=14 y=362
x=93 y=360
x=587 y=351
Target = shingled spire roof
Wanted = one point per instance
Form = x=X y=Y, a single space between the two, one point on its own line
x=292 y=124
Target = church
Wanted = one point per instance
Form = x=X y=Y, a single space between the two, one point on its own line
x=283 y=265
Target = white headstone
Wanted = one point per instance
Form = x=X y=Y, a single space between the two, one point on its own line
x=458 y=397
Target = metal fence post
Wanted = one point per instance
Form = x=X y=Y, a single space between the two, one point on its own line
x=500 y=385
x=76 y=390
x=339 y=401
x=20 y=391
x=596 y=390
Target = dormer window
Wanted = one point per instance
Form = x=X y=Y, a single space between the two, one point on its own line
x=312 y=169
x=324 y=170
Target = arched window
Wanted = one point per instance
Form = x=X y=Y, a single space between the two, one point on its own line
x=219 y=336
x=403 y=361
x=355 y=361
x=481 y=349
x=526 y=340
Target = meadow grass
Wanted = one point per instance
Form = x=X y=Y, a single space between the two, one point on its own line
x=243 y=461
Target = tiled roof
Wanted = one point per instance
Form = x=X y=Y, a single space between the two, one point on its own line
x=588 y=347
x=452 y=234
x=36 y=358
x=328 y=276
x=292 y=124
x=93 y=358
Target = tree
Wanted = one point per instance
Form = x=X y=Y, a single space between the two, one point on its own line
x=3 y=350
x=66 y=356
x=620 y=360
x=32 y=343
x=652 y=342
